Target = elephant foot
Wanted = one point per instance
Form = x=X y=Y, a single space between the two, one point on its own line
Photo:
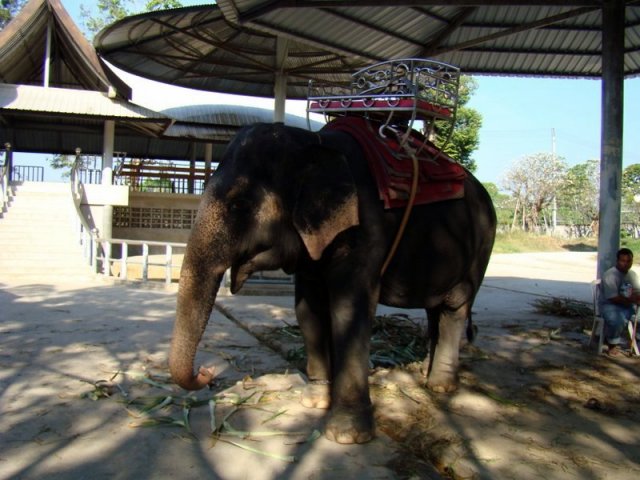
x=316 y=395
x=350 y=425
x=442 y=383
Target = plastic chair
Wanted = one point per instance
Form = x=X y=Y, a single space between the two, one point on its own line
x=597 y=327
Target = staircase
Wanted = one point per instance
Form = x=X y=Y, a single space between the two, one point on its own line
x=37 y=240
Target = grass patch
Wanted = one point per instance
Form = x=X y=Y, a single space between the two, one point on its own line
x=563 y=307
x=523 y=242
x=632 y=243
x=396 y=340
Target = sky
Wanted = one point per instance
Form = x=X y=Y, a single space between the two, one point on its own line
x=520 y=116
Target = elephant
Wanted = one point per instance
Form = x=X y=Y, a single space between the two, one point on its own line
x=305 y=202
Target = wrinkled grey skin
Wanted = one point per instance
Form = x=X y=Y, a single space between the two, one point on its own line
x=306 y=202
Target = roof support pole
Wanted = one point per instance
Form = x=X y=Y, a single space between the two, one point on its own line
x=191 y=181
x=47 y=54
x=208 y=156
x=280 y=84
x=613 y=12
x=108 y=141
x=107 y=179
x=8 y=161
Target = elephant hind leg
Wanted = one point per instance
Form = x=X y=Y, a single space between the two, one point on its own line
x=446 y=327
x=472 y=330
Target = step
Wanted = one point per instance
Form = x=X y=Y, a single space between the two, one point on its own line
x=20 y=188
x=43 y=252
x=39 y=236
x=44 y=203
x=46 y=278
x=32 y=221
x=55 y=253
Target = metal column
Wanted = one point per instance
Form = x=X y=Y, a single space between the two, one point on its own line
x=611 y=139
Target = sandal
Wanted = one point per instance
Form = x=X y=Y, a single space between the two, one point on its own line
x=613 y=351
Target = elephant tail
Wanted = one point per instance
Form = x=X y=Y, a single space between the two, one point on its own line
x=472 y=330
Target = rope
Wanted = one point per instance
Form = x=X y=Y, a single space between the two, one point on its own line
x=405 y=217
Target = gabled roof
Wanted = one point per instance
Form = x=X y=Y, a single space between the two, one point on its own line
x=81 y=93
x=74 y=62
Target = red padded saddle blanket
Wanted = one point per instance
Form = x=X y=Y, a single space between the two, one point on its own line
x=439 y=178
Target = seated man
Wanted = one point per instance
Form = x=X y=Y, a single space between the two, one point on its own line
x=619 y=293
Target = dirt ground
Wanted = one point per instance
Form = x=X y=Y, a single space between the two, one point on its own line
x=534 y=400
x=83 y=367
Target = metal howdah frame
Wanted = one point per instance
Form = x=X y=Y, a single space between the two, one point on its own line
x=396 y=93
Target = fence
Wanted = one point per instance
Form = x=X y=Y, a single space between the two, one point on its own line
x=27 y=173
x=146 y=260
x=139 y=262
x=158 y=176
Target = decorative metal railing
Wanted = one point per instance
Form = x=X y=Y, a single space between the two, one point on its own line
x=395 y=93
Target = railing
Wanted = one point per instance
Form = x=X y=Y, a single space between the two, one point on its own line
x=159 y=176
x=89 y=237
x=98 y=250
x=90 y=175
x=28 y=173
x=119 y=267
x=5 y=187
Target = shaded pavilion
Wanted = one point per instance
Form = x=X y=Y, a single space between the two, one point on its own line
x=281 y=40
x=57 y=95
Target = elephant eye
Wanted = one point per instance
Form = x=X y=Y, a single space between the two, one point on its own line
x=239 y=205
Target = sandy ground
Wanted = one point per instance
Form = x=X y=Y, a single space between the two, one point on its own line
x=534 y=401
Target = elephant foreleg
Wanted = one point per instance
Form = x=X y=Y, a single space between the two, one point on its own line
x=351 y=416
x=445 y=331
x=315 y=323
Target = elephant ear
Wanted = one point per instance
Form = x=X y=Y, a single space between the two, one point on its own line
x=327 y=201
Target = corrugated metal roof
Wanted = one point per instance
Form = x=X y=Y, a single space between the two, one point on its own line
x=197 y=47
x=83 y=103
x=231 y=47
x=228 y=116
x=53 y=119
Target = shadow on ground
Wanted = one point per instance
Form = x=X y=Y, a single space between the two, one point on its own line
x=63 y=347
x=533 y=401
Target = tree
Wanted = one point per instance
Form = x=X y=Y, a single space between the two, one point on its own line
x=8 y=10
x=631 y=182
x=578 y=197
x=501 y=202
x=153 y=5
x=466 y=128
x=631 y=199
x=88 y=167
x=534 y=181
x=109 y=11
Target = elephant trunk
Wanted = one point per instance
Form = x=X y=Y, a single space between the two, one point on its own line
x=196 y=296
